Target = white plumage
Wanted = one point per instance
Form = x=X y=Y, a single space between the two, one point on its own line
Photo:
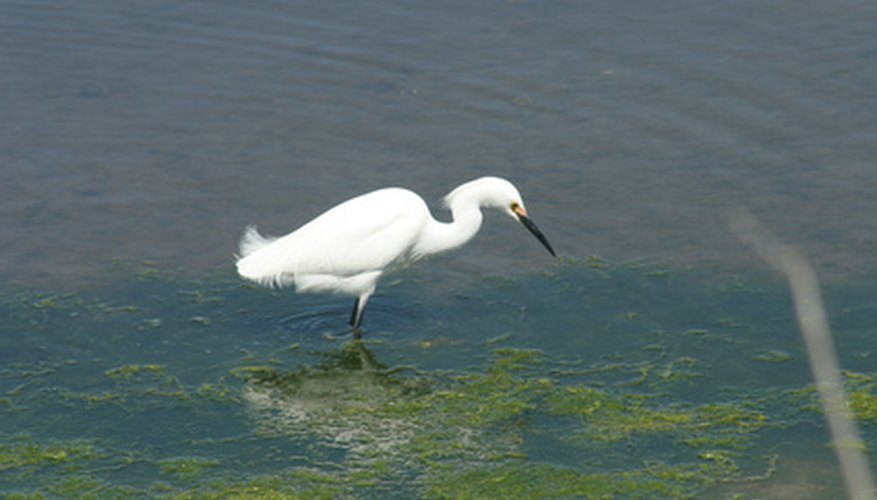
x=347 y=249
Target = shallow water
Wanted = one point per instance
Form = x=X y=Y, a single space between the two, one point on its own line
x=588 y=379
x=139 y=139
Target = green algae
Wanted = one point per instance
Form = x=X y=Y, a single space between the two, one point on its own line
x=478 y=419
x=862 y=390
x=152 y=403
x=521 y=480
x=613 y=417
x=22 y=452
x=128 y=372
x=301 y=483
x=608 y=416
x=518 y=479
x=186 y=468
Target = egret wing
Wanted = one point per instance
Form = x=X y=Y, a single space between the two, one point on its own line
x=364 y=234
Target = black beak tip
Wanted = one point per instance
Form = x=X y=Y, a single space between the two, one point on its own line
x=531 y=226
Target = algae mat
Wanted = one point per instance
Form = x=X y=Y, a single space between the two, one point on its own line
x=589 y=380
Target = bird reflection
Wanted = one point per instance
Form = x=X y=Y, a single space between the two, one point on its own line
x=353 y=359
x=329 y=399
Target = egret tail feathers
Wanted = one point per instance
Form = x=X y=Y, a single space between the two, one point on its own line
x=261 y=267
x=252 y=241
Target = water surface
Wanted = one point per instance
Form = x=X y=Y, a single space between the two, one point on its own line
x=158 y=130
x=138 y=140
x=590 y=379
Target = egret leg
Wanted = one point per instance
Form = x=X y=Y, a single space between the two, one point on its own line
x=358 y=308
x=355 y=315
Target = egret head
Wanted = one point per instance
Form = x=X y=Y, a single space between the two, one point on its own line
x=498 y=193
x=521 y=214
x=492 y=192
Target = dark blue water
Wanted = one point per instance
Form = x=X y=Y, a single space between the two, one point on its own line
x=158 y=130
x=138 y=139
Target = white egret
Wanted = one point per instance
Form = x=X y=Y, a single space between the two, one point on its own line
x=349 y=247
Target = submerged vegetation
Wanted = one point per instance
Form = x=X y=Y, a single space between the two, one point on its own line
x=659 y=386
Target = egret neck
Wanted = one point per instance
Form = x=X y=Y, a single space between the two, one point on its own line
x=437 y=237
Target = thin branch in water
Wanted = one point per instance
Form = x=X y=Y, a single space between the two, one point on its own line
x=824 y=365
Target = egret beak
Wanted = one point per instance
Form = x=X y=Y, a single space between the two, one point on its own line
x=531 y=226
